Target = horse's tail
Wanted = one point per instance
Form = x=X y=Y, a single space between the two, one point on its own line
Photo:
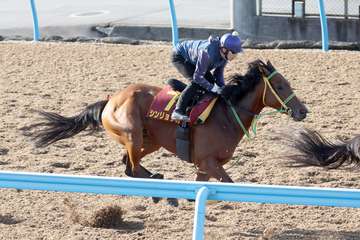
x=315 y=150
x=58 y=127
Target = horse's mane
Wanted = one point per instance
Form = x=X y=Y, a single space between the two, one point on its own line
x=239 y=85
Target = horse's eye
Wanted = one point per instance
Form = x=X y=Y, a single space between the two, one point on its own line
x=280 y=87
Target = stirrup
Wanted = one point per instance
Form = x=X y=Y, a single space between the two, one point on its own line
x=178 y=116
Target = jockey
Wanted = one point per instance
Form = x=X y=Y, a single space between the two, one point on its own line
x=195 y=59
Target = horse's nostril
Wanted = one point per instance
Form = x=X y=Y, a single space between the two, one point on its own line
x=303 y=111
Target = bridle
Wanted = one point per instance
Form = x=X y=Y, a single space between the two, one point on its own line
x=284 y=107
x=283 y=103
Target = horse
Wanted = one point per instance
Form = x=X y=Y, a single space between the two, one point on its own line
x=313 y=149
x=124 y=118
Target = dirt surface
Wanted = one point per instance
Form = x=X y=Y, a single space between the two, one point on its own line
x=64 y=78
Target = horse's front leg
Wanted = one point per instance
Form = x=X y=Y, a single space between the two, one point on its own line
x=200 y=176
x=214 y=169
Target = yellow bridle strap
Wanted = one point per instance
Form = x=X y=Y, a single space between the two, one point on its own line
x=267 y=84
x=257 y=117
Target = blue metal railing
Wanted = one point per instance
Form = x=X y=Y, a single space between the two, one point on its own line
x=324 y=28
x=200 y=212
x=174 y=27
x=201 y=191
x=35 y=21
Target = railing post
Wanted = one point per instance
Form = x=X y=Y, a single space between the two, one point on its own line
x=174 y=27
x=200 y=211
x=324 y=28
x=346 y=9
x=35 y=21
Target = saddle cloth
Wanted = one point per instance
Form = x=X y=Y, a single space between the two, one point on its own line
x=164 y=104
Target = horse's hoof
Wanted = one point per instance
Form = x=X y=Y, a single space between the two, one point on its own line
x=173 y=202
x=128 y=173
x=157 y=176
x=156 y=199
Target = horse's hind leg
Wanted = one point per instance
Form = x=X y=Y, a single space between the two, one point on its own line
x=132 y=140
x=134 y=149
x=134 y=146
x=128 y=171
x=144 y=172
x=125 y=160
x=147 y=149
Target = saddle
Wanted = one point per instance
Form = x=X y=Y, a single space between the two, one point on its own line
x=164 y=103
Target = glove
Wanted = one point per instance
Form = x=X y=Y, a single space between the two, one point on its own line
x=216 y=89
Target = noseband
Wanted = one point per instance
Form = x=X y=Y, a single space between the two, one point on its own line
x=284 y=108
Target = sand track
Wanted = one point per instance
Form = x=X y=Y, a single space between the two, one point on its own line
x=64 y=78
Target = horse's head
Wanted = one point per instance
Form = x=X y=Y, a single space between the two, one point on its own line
x=277 y=92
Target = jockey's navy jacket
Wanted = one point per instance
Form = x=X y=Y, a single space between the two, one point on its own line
x=205 y=55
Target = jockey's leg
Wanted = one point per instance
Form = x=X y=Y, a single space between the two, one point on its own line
x=184 y=101
x=184 y=67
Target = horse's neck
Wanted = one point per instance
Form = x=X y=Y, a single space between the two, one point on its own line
x=252 y=103
x=248 y=107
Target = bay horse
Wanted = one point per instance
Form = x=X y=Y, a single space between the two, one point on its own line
x=124 y=118
x=313 y=149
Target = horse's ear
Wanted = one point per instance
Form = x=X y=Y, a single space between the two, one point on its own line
x=261 y=62
x=270 y=67
x=269 y=64
x=256 y=63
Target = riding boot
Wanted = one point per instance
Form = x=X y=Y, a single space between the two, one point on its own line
x=183 y=102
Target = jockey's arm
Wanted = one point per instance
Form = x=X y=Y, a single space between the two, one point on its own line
x=202 y=66
x=219 y=75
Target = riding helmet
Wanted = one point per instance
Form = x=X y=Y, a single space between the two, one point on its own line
x=232 y=42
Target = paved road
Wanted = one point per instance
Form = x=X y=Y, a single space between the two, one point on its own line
x=17 y=14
